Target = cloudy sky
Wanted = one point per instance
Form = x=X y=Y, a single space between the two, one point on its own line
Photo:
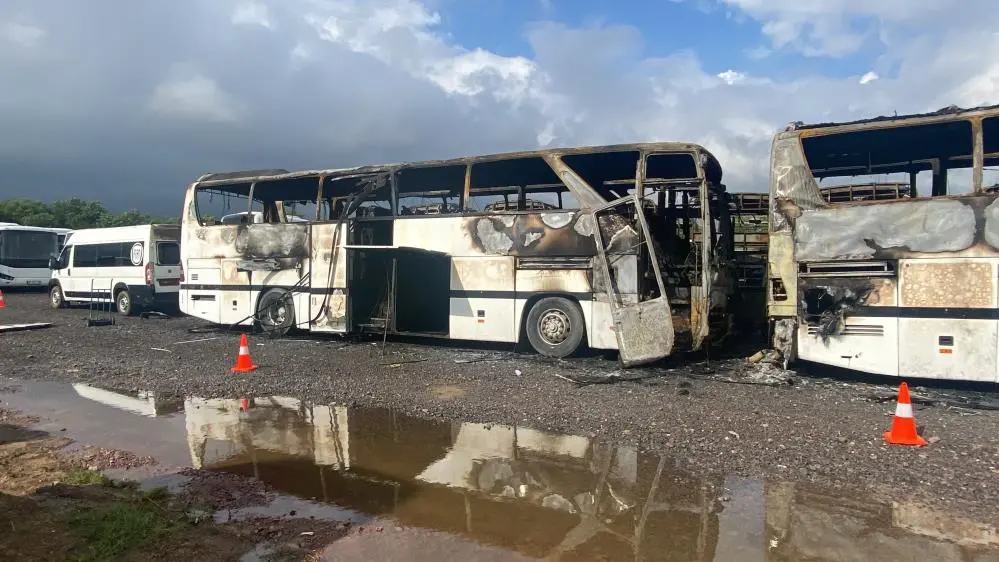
x=127 y=102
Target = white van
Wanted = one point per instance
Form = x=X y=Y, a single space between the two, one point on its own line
x=137 y=266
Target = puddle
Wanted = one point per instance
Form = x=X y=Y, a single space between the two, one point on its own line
x=473 y=491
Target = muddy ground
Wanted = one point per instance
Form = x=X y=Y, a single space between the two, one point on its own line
x=56 y=505
x=823 y=429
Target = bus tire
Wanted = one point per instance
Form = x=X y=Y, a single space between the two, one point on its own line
x=123 y=301
x=276 y=312
x=555 y=327
x=56 y=298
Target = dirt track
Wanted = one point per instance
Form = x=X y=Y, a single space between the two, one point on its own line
x=822 y=430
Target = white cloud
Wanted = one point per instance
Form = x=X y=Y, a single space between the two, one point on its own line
x=194 y=97
x=251 y=13
x=345 y=82
x=869 y=77
x=21 y=34
x=732 y=77
x=841 y=27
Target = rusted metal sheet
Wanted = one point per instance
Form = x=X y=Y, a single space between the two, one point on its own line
x=959 y=284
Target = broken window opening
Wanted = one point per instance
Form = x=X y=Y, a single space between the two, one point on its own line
x=518 y=184
x=222 y=205
x=433 y=190
x=990 y=145
x=342 y=195
x=611 y=174
x=902 y=153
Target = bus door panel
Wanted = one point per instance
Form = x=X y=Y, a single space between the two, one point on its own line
x=328 y=279
x=643 y=324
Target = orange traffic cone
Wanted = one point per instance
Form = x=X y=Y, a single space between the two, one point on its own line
x=2 y=303
x=243 y=362
x=903 y=425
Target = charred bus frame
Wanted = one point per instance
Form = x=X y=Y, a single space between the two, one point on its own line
x=609 y=257
x=897 y=283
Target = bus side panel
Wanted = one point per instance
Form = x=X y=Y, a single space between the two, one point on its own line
x=235 y=305
x=868 y=339
x=483 y=299
x=949 y=328
x=203 y=300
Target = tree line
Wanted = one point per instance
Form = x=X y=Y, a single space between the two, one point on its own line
x=74 y=214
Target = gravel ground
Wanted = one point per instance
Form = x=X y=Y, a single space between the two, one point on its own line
x=820 y=429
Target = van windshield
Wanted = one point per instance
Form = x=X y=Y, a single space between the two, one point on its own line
x=168 y=253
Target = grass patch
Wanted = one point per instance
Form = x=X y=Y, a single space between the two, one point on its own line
x=109 y=532
x=86 y=477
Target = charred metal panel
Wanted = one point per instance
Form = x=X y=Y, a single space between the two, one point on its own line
x=782 y=282
x=260 y=241
x=826 y=302
x=572 y=281
x=328 y=300
x=965 y=284
x=790 y=180
x=482 y=274
x=644 y=329
x=885 y=230
x=564 y=234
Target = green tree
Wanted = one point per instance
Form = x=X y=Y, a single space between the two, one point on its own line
x=73 y=213
x=77 y=213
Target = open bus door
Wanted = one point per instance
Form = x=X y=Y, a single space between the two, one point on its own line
x=643 y=323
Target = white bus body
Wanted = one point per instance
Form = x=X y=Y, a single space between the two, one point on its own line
x=136 y=266
x=24 y=255
x=466 y=249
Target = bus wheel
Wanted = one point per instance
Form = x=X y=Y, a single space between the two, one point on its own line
x=276 y=312
x=123 y=300
x=555 y=327
x=56 y=298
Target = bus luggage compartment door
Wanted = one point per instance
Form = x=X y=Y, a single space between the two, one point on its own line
x=628 y=277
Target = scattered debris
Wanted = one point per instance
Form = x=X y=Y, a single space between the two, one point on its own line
x=160 y=349
x=23 y=327
x=147 y=314
x=398 y=364
x=194 y=341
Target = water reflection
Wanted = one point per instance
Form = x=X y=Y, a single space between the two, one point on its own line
x=541 y=495
x=562 y=497
x=555 y=496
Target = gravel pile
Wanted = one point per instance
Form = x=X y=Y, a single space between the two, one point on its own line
x=818 y=429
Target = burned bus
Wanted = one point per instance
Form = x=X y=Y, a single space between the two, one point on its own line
x=892 y=268
x=559 y=248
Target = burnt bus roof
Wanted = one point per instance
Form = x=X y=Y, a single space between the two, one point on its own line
x=226 y=178
x=950 y=111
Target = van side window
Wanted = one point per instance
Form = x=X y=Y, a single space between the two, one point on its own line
x=85 y=256
x=114 y=254
x=64 y=257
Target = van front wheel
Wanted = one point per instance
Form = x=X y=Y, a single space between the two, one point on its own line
x=123 y=300
x=56 y=298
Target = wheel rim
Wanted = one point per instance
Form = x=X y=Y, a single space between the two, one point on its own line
x=554 y=326
x=277 y=313
x=56 y=296
x=123 y=302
